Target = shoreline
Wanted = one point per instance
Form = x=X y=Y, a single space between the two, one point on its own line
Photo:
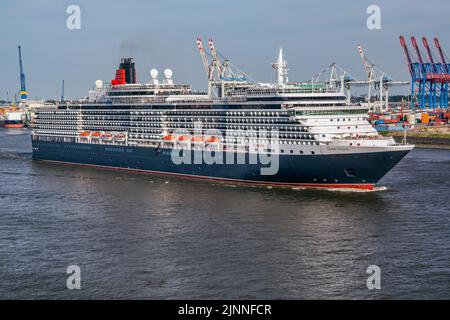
x=432 y=146
x=430 y=141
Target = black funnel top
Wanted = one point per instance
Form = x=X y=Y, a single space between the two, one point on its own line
x=130 y=69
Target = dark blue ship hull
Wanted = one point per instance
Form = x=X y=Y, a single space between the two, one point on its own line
x=357 y=170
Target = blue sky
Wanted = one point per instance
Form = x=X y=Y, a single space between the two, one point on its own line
x=161 y=34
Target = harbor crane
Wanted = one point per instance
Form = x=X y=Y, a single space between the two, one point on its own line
x=429 y=79
x=430 y=67
x=441 y=54
x=23 y=90
x=335 y=77
x=378 y=80
x=206 y=64
x=221 y=74
x=219 y=68
x=444 y=69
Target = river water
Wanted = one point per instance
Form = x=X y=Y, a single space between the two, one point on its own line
x=144 y=236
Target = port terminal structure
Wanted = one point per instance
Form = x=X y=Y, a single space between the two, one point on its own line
x=429 y=78
x=223 y=76
x=378 y=82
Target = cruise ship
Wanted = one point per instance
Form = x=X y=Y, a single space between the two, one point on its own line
x=285 y=134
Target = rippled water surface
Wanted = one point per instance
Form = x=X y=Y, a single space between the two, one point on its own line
x=144 y=236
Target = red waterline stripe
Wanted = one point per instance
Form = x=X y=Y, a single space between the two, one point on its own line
x=13 y=125
x=365 y=186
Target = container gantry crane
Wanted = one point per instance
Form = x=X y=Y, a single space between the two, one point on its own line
x=445 y=68
x=429 y=79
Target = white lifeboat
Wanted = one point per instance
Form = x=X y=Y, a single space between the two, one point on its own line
x=106 y=136
x=120 y=137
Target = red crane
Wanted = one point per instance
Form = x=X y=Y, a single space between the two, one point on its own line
x=441 y=53
x=426 y=75
x=416 y=47
x=427 y=47
x=430 y=75
x=405 y=50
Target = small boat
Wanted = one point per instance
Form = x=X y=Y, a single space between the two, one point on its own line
x=14 y=118
x=96 y=135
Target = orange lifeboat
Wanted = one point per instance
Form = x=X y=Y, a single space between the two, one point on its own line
x=95 y=135
x=197 y=139
x=183 y=138
x=85 y=134
x=212 y=139
x=168 y=138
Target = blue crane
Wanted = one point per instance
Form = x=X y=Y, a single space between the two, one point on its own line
x=430 y=80
x=23 y=89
